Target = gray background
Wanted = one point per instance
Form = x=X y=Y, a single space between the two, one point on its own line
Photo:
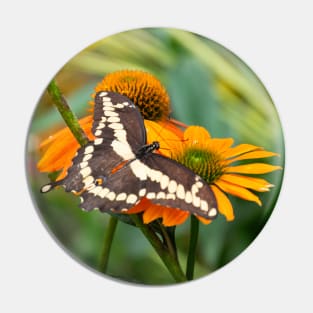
x=275 y=272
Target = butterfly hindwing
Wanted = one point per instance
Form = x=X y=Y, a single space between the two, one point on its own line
x=113 y=195
x=172 y=184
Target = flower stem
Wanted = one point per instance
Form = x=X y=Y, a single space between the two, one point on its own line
x=107 y=244
x=71 y=121
x=168 y=259
x=194 y=231
x=67 y=114
x=169 y=243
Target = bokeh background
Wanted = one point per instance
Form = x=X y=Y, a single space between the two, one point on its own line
x=208 y=86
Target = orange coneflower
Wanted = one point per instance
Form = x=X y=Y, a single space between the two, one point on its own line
x=143 y=89
x=212 y=159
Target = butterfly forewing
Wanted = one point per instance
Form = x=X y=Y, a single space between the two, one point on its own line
x=116 y=118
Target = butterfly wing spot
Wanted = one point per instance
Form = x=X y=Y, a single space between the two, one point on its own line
x=139 y=169
x=161 y=195
x=196 y=201
x=101 y=124
x=98 y=132
x=83 y=164
x=170 y=196
x=102 y=94
x=142 y=192
x=188 y=197
x=132 y=198
x=164 y=181
x=120 y=105
x=109 y=113
x=154 y=175
x=116 y=126
x=85 y=171
x=151 y=195
x=46 y=188
x=109 y=108
x=180 y=192
x=213 y=213
x=96 y=190
x=87 y=157
x=172 y=186
x=120 y=135
x=89 y=150
x=121 y=197
x=113 y=119
x=204 y=206
x=88 y=180
x=122 y=149
x=199 y=184
x=103 y=192
x=111 y=195
x=98 y=141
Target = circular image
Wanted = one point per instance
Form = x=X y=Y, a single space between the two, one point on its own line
x=155 y=156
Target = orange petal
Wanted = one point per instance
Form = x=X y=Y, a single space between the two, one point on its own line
x=238 y=191
x=152 y=213
x=243 y=148
x=85 y=123
x=172 y=216
x=57 y=156
x=60 y=148
x=221 y=144
x=257 y=184
x=203 y=220
x=224 y=206
x=172 y=125
x=257 y=154
x=163 y=133
x=196 y=133
x=253 y=168
x=140 y=207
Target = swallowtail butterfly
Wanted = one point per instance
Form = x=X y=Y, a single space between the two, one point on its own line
x=116 y=170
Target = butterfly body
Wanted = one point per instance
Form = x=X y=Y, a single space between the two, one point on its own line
x=118 y=169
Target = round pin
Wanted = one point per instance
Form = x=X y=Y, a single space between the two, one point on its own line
x=155 y=156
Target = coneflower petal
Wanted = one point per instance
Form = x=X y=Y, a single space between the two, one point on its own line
x=223 y=204
x=257 y=154
x=257 y=184
x=253 y=168
x=238 y=191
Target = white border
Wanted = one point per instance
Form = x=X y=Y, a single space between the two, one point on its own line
x=272 y=38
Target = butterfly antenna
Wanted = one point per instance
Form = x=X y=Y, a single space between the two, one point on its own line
x=178 y=123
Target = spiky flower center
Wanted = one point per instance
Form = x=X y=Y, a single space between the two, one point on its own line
x=143 y=89
x=207 y=164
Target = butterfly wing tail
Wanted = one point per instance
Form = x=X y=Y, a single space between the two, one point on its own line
x=48 y=187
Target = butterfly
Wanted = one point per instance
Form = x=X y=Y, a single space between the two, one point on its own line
x=118 y=168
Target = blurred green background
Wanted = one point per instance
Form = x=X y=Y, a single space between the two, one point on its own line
x=209 y=86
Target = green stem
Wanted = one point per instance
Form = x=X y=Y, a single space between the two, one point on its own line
x=79 y=134
x=194 y=231
x=168 y=259
x=170 y=245
x=107 y=244
x=67 y=114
